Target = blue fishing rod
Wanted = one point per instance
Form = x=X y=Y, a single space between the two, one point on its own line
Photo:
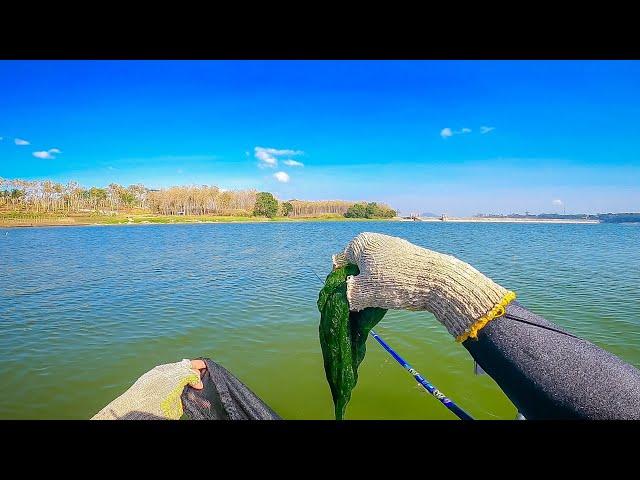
x=461 y=414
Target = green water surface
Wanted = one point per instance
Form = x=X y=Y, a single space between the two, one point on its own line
x=84 y=311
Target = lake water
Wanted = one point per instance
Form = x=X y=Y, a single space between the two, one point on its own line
x=84 y=311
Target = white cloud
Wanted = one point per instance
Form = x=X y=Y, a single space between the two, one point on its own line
x=293 y=163
x=47 y=154
x=281 y=177
x=265 y=158
x=275 y=151
x=19 y=141
x=446 y=132
x=557 y=203
x=1 y=139
x=268 y=156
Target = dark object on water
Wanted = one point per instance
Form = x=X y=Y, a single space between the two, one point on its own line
x=343 y=336
x=224 y=397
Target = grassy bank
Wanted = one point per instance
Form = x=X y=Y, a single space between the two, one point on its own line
x=19 y=219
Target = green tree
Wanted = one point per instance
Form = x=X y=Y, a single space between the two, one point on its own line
x=369 y=210
x=266 y=205
x=127 y=197
x=372 y=210
x=17 y=194
x=287 y=208
x=98 y=193
x=359 y=210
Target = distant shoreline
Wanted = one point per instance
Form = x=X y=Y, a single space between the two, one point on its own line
x=502 y=220
x=110 y=221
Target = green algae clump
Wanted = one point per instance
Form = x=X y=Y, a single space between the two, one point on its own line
x=343 y=336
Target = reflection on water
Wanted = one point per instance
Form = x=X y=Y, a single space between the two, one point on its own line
x=84 y=311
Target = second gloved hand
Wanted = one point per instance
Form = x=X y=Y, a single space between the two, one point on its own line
x=156 y=394
x=396 y=274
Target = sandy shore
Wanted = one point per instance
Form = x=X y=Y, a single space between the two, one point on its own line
x=177 y=221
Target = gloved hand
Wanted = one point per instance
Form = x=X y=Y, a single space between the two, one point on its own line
x=156 y=394
x=396 y=274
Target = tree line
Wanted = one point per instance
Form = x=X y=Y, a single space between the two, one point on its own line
x=369 y=210
x=301 y=208
x=46 y=196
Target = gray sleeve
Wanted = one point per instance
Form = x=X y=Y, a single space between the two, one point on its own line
x=224 y=397
x=549 y=373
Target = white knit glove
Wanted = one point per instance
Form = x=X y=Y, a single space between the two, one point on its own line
x=154 y=396
x=396 y=274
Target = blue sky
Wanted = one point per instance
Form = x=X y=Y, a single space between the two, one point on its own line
x=558 y=134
